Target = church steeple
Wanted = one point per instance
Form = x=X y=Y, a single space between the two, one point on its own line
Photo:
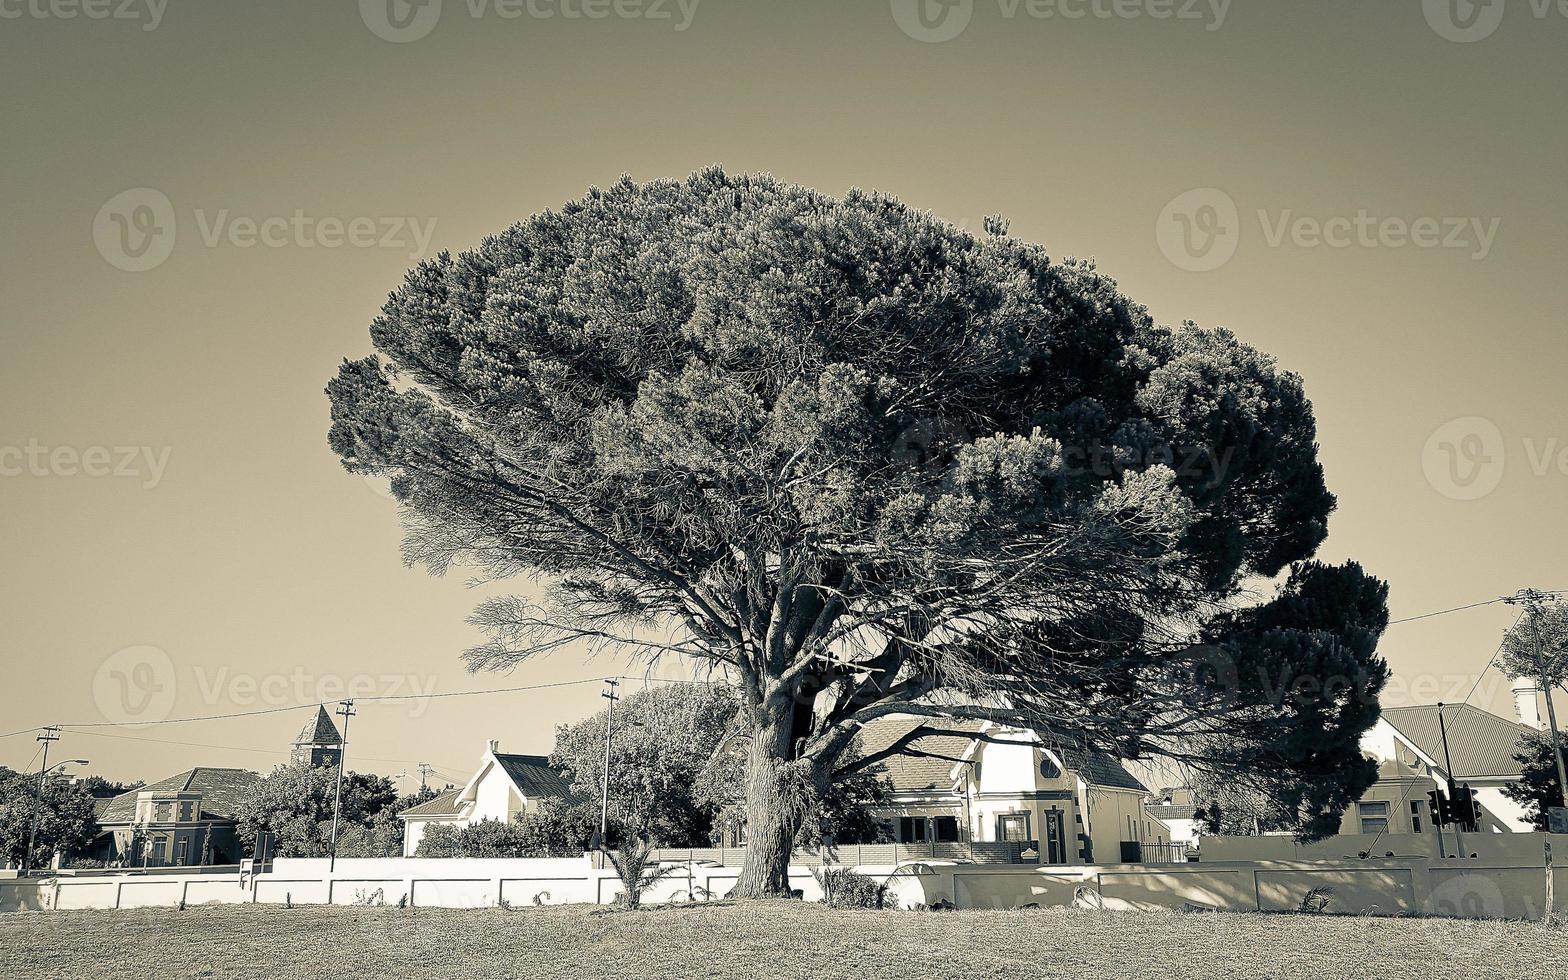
x=318 y=743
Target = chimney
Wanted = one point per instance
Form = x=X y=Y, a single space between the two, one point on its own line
x=1527 y=703
x=494 y=745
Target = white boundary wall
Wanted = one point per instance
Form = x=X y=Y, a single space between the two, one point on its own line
x=1477 y=888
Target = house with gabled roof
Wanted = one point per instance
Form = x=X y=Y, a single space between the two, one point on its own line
x=504 y=787
x=982 y=783
x=187 y=819
x=1407 y=743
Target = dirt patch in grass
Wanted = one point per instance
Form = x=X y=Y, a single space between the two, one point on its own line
x=763 y=940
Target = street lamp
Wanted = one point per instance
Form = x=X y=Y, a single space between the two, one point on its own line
x=38 y=805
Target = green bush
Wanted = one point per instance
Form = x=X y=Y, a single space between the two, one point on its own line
x=846 y=889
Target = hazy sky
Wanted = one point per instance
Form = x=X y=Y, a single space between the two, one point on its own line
x=1397 y=181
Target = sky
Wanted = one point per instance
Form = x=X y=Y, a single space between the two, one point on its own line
x=206 y=203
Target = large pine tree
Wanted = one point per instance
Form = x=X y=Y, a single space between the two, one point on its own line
x=863 y=462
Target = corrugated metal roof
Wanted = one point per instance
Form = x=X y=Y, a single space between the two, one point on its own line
x=220 y=791
x=533 y=775
x=1482 y=743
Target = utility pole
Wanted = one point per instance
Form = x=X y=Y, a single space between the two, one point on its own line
x=346 y=709
x=604 y=800
x=1448 y=763
x=1531 y=599
x=50 y=733
x=425 y=769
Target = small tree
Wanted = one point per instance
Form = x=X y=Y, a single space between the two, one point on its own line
x=663 y=739
x=638 y=872
x=1538 y=789
x=1537 y=646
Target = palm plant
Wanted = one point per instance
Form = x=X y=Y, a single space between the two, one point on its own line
x=636 y=871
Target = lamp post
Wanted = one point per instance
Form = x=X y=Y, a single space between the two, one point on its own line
x=38 y=801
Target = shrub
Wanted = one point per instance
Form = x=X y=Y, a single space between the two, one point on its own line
x=846 y=889
x=635 y=865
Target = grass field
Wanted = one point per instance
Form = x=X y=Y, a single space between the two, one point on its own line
x=771 y=940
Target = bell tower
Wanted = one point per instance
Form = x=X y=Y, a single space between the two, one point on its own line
x=318 y=743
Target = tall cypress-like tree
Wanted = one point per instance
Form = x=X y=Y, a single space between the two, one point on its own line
x=861 y=462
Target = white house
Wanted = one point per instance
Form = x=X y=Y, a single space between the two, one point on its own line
x=504 y=787
x=1408 y=746
x=1174 y=807
x=991 y=784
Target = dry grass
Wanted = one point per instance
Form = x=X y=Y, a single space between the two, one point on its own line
x=763 y=940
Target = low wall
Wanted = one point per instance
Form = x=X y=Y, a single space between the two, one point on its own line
x=1387 y=886
x=1510 y=849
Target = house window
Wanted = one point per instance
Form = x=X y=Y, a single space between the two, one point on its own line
x=1012 y=826
x=1374 y=817
x=912 y=830
x=945 y=830
x=1415 y=816
x=185 y=812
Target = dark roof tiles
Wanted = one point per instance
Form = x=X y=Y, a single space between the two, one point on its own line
x=220 y=791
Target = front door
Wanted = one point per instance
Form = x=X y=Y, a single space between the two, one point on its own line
x=1055 y=845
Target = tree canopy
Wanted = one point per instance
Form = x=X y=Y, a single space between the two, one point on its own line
x=1537 y=646
x=294 y=802
x=65 y=820
x=663 y=739
x=856 y=462
x=1538 y=789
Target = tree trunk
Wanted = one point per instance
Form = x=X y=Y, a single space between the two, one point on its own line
x=774 y=808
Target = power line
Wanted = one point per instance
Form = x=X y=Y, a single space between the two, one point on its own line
x=209 y=745
x=1442 y=612
x=300 y=707
x=1493 y=659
